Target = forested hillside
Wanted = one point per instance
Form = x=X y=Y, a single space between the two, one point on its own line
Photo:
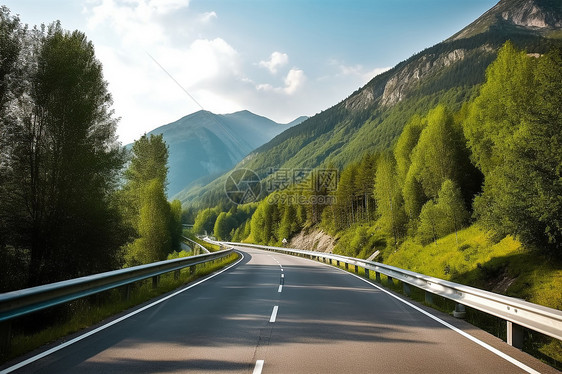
x=372 y=118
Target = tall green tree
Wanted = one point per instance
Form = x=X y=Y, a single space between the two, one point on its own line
x=345 y=210
x=63 y=162
x=155 y=239
x=412 y=190
x=414 y=198
x=224 y=224
x=265 y=222
x=388 y=196
x=430 y=218
x=205 y=221
x=436 y=155
x=288 y=224
x=364 y=183
x=451 y=204
x=514 y=133
x=175 y=225
x=406 y=144
x=156 y=223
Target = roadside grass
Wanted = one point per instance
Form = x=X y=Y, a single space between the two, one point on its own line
x=505 y=267
x=89 y=311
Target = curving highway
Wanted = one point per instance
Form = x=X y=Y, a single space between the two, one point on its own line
x=274 y=313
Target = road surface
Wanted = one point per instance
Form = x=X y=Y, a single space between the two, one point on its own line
x=275 y=313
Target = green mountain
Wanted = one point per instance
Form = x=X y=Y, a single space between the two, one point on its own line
x=372 y=118
x=203 y=145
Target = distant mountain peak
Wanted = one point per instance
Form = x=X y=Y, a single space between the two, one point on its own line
x=204 y=143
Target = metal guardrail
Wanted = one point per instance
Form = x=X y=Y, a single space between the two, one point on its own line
x=17 y=303
x=515 y=311
x=205 y=250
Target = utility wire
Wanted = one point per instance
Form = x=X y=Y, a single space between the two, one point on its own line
x=228 y=133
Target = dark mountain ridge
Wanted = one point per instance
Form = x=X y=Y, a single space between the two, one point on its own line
x=205 y=144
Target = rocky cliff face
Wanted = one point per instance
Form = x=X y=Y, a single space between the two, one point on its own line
x=397 y=87
x=538 y=15
x=402 y=79
x=530 y=16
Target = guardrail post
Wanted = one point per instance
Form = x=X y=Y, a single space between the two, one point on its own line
x=366 y=273
x=330 y=261
x=428 y=297
x=406 y=289
x=356 y=269
x=155 y=281
x=5 y=337
x=514 y=335
x=460 y=311
x=390 y=281
x=338 y=263
x=176 y=274
x=346 y=266
x=378 y=276
x=127 y=291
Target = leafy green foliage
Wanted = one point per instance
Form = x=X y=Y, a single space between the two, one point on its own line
x=444 y=216
x=514 y=133
x=154 y=242
x=224 y=224
x=437 y=155
x=390 y=203
x=205 y=221
x=59 y=161
x=450 y=202
x=155 y=223
x=430 y=218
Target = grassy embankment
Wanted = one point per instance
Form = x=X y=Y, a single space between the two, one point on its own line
x=474 y=258
x=86 y=312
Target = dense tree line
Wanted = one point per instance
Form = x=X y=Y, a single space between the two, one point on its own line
x=63 y=212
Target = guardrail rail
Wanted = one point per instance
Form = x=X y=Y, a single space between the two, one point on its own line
x=205 y=250
x=22 y=302
x=518 y=313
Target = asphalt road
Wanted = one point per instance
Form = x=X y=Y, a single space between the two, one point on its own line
x=282 y=314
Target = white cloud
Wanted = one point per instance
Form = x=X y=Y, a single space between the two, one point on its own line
x=276 y=61
x=295 y=79
x=144 y=95
x=293 y=82
x=136 y=21
x=207 y=17
x=358 y=71
x=213 y=71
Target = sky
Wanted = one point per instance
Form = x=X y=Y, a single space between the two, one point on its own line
x=164 y=59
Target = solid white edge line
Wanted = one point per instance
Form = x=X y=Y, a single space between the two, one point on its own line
x=103 y=327
x=455 y=329
x=280 y=288
x=259 y=367
x=274 y=314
